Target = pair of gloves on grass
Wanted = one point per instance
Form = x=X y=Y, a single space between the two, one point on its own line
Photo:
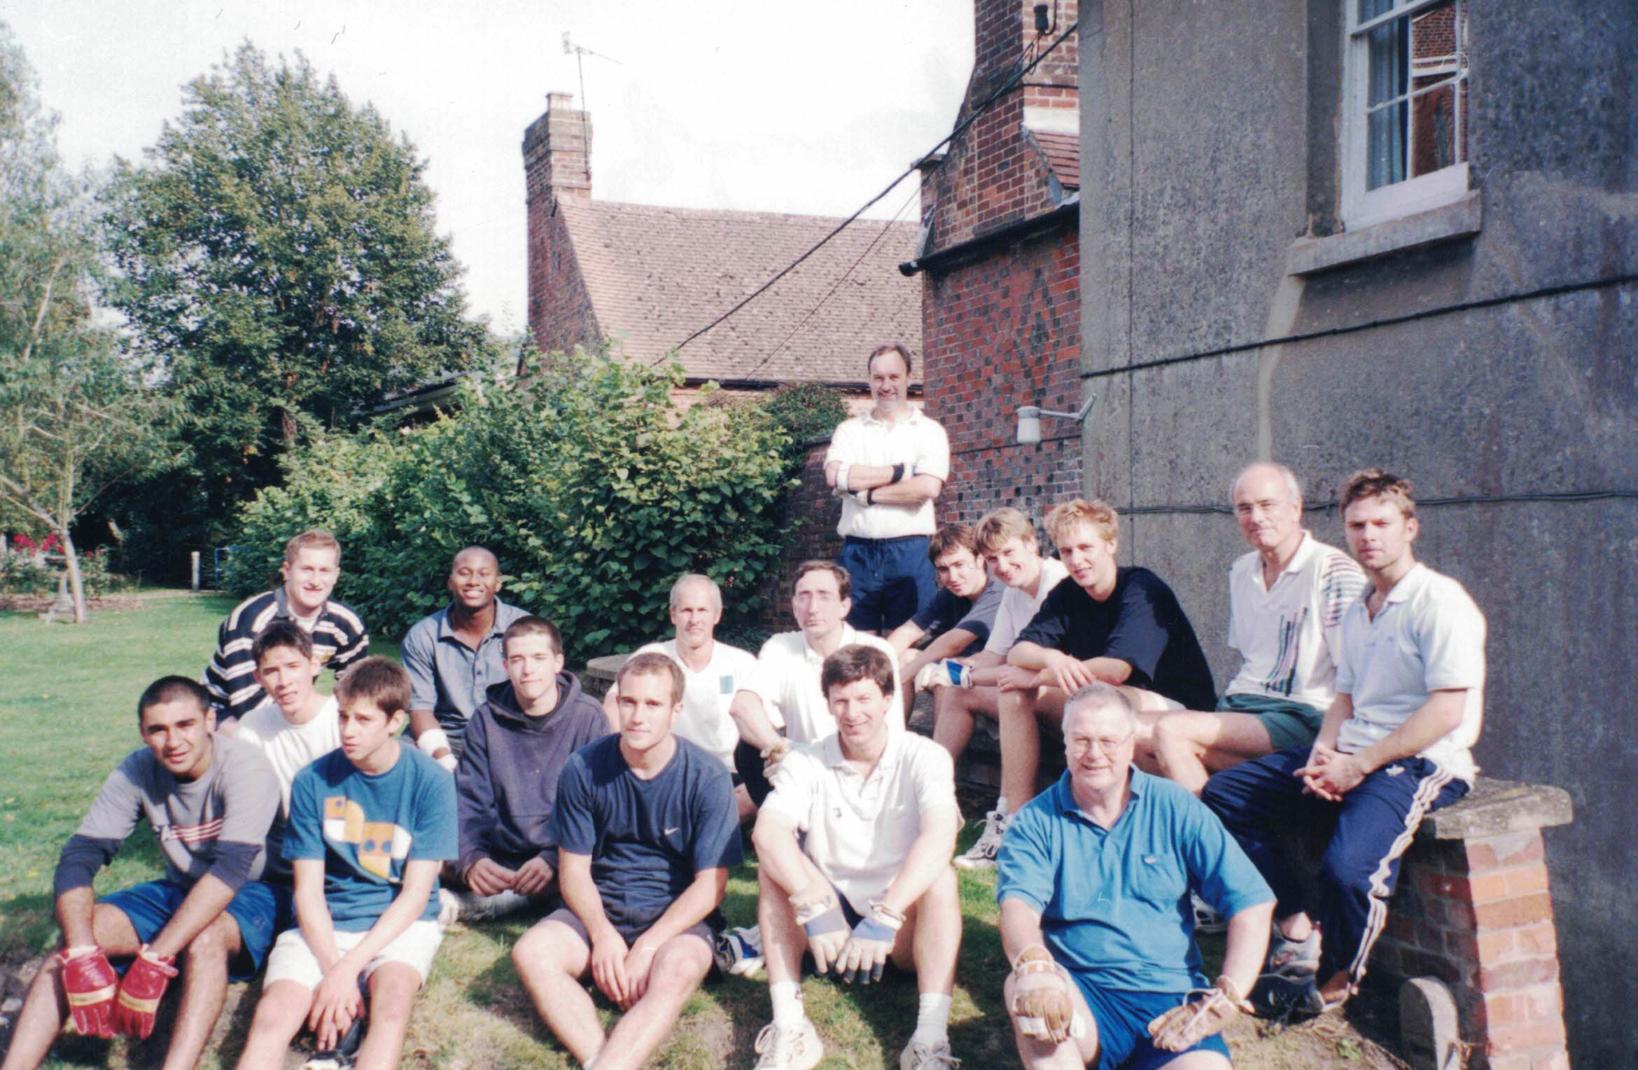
x=102 y=1004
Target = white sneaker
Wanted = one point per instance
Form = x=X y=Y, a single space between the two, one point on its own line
x=738 y=953
x=788 y=1049
x=981 y=855
x=475 y=907
x=1206 y=920
x=449 y=908
x=917 y=1056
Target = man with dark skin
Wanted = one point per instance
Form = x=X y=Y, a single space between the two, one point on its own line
x=454 y=656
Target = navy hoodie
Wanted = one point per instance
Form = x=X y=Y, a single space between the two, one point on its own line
x=507 y=778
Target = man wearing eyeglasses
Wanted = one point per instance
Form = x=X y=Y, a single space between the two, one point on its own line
x=1094 y=879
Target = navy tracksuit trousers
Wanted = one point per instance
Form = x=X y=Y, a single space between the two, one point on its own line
x=1261 y=803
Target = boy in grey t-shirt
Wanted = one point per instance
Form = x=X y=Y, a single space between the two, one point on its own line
x=210 y=803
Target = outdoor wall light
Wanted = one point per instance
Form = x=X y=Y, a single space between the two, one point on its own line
x=1029 y=419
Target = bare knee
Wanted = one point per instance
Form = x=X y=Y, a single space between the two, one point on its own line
x=392 y=992
x=680 y=965
x=214 y=943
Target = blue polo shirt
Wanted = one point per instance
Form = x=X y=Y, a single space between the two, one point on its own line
x=447 y=676
x=1114 y=903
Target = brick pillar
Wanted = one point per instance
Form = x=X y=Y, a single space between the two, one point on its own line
x=1473 y=910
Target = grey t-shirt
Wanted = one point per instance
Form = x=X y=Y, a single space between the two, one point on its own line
x=217 y=824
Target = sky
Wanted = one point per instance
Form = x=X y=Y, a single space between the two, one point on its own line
x=744 y=104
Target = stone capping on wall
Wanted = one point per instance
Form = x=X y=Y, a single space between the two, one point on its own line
x=1460 y=218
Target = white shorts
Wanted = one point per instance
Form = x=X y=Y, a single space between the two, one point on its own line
x=292 y=960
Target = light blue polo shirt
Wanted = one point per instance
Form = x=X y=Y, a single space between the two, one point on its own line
x=447 y=676
x=1114 y=903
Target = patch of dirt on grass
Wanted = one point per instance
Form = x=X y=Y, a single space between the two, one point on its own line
x=34 y=603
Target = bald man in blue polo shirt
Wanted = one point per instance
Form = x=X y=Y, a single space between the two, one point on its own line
x=1094 y=877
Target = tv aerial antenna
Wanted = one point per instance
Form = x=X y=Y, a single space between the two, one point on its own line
x=580 y=52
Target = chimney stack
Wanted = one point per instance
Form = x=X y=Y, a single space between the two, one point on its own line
x=557 y=153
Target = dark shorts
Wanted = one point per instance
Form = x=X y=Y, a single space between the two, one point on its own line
x=261 y=910
x=1289 y=724
x=627 y=933
x=1123 y=1027
x=892 y=580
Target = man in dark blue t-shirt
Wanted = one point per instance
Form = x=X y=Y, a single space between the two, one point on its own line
x=1123 y=626
x=646 y=829
x=957 y=622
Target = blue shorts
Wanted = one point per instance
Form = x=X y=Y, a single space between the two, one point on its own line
x=1123 y=1027
x=893 y=580
x=261 y=910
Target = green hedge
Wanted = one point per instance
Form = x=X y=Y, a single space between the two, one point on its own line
x=591 y=486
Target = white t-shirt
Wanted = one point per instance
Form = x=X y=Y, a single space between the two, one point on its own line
x=1287 y=633
x=290 y=748
x=707 y=695
x=1428 y=636
x=788 y=683
x=919 y=440
x=858 y=830
x=1018 y=607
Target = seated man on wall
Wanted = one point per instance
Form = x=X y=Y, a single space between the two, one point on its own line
x=454 y=656
x=1121 y=625
x=210 y=801
x=887 y=465
x=517 y=744
x=957 y=622
x=370 y=825
x=312 y=564
x=1094 y=880
x=1286 y=599
x=970 y=688
x=786 y=693
x=1395 y=745
x=713 y=673
x=855 y=845
x=646 y=833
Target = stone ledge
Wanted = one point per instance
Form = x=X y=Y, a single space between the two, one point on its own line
x=1461 y=218
x=1495 y=807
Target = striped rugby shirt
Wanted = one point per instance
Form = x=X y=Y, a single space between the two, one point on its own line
x=339 y=639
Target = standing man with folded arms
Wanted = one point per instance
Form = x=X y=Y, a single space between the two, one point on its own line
x=888 y=466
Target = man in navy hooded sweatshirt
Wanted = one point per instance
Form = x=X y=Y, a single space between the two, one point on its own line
x=516 y=745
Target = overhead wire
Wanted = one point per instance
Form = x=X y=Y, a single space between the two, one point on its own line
x=1008 y=86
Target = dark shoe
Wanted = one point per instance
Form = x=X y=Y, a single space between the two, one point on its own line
x=1287 y=999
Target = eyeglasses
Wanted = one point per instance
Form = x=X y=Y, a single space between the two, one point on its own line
x=1107 y=744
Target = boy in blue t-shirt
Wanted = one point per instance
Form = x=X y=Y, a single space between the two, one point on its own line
x=370 y=824
x=646 y=829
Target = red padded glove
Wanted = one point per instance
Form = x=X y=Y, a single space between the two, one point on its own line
x=90 y=983
x=140 y=993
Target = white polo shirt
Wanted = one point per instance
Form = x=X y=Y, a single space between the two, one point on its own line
x=1429 y=636
x=707 y=694
x=856 y=829
x=290 y=748
x=788 y=683
x=1286 y=633
x=1018 y=607
x=917 y=439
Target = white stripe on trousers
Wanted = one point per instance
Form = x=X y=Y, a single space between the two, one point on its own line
x=1376 y=917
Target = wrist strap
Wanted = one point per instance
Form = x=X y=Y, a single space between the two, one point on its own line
x=898 y=472
x=433 y=739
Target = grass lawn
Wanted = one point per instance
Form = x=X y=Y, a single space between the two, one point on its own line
x=67 y=715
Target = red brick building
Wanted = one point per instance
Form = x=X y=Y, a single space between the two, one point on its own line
x=642 y=278
x=1000 y=262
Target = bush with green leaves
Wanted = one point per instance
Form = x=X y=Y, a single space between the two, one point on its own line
x=592 y=487
x=807 y=412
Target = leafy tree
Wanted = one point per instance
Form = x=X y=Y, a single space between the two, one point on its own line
x=278 y=262
x=75 y=418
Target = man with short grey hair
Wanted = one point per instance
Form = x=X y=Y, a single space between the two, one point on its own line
x=1286 y=600
x=454 y=656
x=1093 y=880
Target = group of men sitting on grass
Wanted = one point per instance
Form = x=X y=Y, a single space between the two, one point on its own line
x=301 y=834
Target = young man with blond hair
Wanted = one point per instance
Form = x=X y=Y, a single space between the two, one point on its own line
x=1395 y=745
x=646 y=834
x=312 y=564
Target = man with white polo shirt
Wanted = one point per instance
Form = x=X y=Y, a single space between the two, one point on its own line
x=855 y=845
x=1395 y=745
x=713 y=673
x=787 y=693
x=1286 y=600
x=888 y=466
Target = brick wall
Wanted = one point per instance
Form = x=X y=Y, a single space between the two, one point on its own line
x=556 y=150
x=811 y=514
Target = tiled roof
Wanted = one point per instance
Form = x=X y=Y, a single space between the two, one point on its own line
x=656 y=275
x=1063 y=156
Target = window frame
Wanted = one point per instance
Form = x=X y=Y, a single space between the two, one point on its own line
x=1362 y=207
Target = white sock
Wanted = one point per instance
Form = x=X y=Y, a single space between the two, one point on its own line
x=1001 y=805
x=932 y=1019
x=787 y=1003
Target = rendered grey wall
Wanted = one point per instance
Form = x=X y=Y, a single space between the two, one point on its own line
x=1209 y=144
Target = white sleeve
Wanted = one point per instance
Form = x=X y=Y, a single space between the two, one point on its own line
x=933 y=458
x=843 y=446
x=1004 y=632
